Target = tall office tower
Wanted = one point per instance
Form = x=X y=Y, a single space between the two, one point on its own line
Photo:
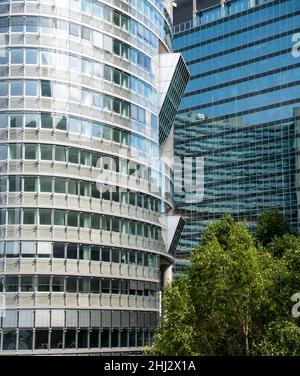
x=237 y=124
x=85 y=241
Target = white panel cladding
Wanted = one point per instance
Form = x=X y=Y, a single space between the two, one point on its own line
x=10 y=318
x=26 y=317
x=63 y=303
x=42 y=318
x=57 y=318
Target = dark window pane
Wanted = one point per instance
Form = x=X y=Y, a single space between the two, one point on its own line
x=9 y=339
x=56 y=339
x=70 y=339
x=83 y=339
x=41 y=339
x=46 y=89
x=25 y=339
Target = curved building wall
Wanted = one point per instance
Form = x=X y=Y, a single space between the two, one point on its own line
x=82 y=184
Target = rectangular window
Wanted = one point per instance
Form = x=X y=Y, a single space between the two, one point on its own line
x=46 y=121
x=45 y=184
x=31 y=120
x=13 y=216
x=12 y=249
x=72 y=285
x=46 y=153
x=105 y=286
x=60 y=185
x=58 y=250
x=30 y=184
x=84 y=252
x=11 y=284
x=27 y=284
x=73 y=156
x=31 y=56
x=59 y=218
x=73 y=187
x=74 y=30
x=72 y=252
x=16 y=88
x=16 y=56
x=14 y=183
x=3 y=89
x=31 y=151
x=45 y=217
x=60 y=153
x=106 y=254
x=58 y=284
x=43 y=283
x=46 y=90
x=72 y=219
x=29 y=217
x=95 y=253
x=31 y=88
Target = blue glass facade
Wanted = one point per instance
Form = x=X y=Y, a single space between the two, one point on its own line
x=239 y=113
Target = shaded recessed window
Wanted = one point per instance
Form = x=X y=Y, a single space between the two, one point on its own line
x=41 y=339
x=59 y=250
x=46 y=121
x=45 y=217
x=29 y=217
x=56 y=339
x=25 y=339
x=46 y=88
x=58 y=284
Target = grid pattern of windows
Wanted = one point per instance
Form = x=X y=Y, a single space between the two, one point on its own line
x=75 y=63
x=80 y=188
x=76 y=329
x=87 y=130
x=82 y=181
x=73 y=251
x=238 y=120
x=45 y=25
x=75 y=285
x=46 y=152
x=83 y=220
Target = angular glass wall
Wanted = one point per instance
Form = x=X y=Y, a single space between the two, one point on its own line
x=237 y=117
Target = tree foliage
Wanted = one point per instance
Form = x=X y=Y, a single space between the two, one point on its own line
x=270 y=224
x=235 y=298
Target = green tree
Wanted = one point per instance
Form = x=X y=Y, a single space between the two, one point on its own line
x=235 y=298
x=271 y=223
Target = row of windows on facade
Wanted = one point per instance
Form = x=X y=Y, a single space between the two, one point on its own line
x=87 y=130
x=58 y=339
x=102 y=11
x=75 y=285
x=32 y=24
x=60 y=60
x=104 y=162
x=99 y=10
x=76 y=94
x=47 y=184
x=57 y=217
x=215 y=13
x=72 y=251
x=73 y=318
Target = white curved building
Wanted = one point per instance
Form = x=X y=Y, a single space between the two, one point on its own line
x=88 y=95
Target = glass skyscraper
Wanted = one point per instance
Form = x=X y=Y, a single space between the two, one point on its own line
x=84 y=193
x=237 y=127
